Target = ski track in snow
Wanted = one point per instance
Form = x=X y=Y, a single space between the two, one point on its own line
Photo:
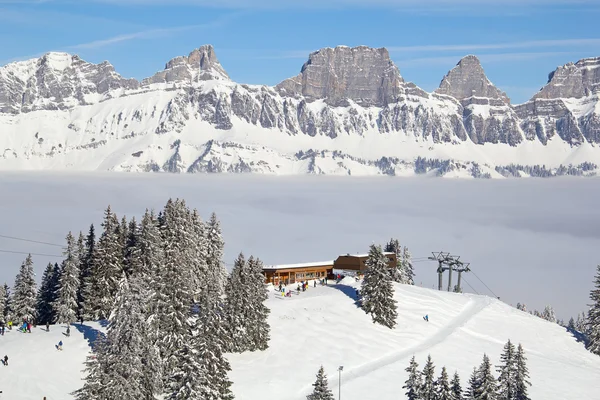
x=470 y=310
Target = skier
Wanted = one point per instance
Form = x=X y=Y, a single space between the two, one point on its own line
x=5 y=360
x=29 y=327
x=59 y=346
x=426 y=317
x=68 y=331
x=47 y=327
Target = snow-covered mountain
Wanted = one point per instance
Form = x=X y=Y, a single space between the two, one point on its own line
x=323 y=326
x=348 y=112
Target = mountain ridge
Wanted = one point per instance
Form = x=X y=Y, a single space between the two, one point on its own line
x=342 y=100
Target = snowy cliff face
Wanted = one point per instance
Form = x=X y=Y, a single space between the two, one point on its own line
x=567 y=106
x=56 y=81
x=348 y=112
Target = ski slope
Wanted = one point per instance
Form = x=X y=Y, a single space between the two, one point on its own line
x=323 y=326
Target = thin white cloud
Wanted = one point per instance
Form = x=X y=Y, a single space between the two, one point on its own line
x=333 y=4
x=151 y=33
x=498 y=46
x=485 y=58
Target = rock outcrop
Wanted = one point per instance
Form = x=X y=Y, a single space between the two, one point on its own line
x=362 y=74
x=56 y=81
x=200 y=65
x=573 y=80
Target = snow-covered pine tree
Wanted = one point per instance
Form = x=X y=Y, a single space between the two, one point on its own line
x=455 y=388
x=474 y=384
x=507 y=371
x=593 y=319
x=393 y=246
x=7 y=301
x=321 y=389
x=175 y=293
x=522 y=375
x=107 y=268
x=46 y=296
x=377 y=291
x=85 y=275
x=257 y=326
x=487 y=388
x=123 y=233
x=66 y=301
x=571 y=325
x=428 y=378
x=442 y=386
x=199 y=253
x=548 y=314
x=581 y=322
x=97 y=370
x=24 y=297
x=205 y=362
x=136 y=368
x=414 y=382
x=237 y=292
x=2 y=304
x=131 y=264
x=407 y=267
x=216 y=273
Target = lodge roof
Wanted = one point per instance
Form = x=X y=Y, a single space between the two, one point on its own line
x=364 y=255
x=303 y=265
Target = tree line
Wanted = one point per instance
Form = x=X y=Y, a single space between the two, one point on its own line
x=172 y=309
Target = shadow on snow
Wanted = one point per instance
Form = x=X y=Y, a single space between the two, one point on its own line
x=91 y=334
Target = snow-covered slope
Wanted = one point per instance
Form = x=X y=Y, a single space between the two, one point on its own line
x=348 y=112
x=323 y=326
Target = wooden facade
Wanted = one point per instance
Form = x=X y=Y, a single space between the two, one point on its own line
x=293 y=273
x=356 y=262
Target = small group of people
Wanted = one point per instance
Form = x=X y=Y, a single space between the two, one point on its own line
x=26 y=327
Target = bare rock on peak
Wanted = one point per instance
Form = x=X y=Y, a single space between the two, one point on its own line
x=468 y=80
x=573 y=80
x=363 y=74
x=200 y=65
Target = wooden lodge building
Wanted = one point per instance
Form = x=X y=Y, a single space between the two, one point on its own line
x=292 y=273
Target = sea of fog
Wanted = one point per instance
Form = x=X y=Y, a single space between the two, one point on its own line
x=534 y=241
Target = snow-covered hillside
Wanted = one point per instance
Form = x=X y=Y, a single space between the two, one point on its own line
x=323 y=326
x=349 y=112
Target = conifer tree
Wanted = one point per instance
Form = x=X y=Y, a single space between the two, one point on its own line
x=237 y=305
x=107 y=268
x=216 y=273
x=175 y=292
x=199 y=253
x=428 y=391
x=571 y=325
x=455 y=388
x=522 y=375
x=474 y=384
x=66 y=301
x=507 y=373
x=24 y=297
x=258 y=325
x=486 y=382
x=593 y=320
x=131 y=264
x=2 y=304
x=548 y=314
x=442 y=387
x=414 y=382
x=85 y=275
x=7 y=301
x=321 y=389
x=407 y=267
x=46 y=296
x=97 y=370
x=393 y=246
x=377 y=291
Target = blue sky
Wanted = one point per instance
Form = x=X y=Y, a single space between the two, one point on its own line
x=265 y=41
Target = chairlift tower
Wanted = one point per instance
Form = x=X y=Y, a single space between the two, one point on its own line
x=447 y=262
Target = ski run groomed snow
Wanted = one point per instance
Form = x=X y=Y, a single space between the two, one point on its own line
x=324 y=326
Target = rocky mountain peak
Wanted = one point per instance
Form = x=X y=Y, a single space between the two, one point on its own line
x=363 y=74
x=200 y=65
x=56 y=81
x=573 y=80
x=468 y=80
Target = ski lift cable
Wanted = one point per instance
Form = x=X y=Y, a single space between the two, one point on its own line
x=472 y=288
x=31 y=241
x=491 y=291
x=33 y=254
